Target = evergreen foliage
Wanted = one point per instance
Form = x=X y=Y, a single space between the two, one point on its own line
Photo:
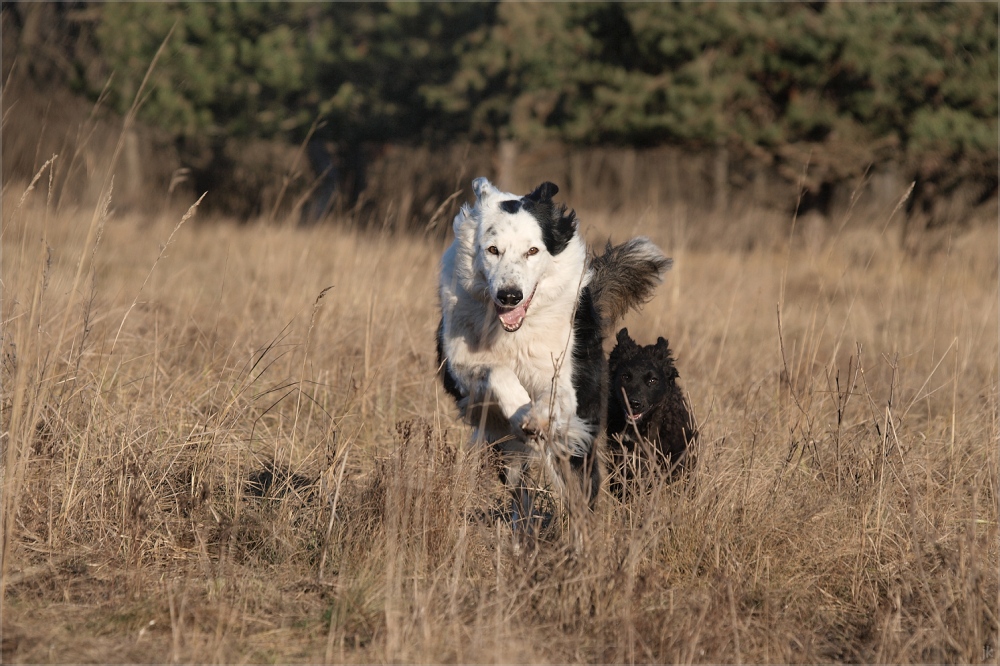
x=272 y=68
x=848 y=84
x=849 y=77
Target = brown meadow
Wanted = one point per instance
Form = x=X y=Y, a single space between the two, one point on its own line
x=843 y=506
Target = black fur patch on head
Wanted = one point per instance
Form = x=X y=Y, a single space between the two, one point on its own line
x=558 y=226
x=510 y=206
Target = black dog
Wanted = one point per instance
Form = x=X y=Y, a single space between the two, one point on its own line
x=645 y=400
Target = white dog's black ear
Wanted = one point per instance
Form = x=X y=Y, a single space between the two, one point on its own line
x=544 y=191
x=558 y=226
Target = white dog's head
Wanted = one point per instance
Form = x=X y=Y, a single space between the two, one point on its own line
x=514 y=241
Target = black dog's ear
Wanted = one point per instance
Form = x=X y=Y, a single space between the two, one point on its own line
x=544 y=191
x=624 y=348
x=662 y=351
x=625 y=345
x=624 y=338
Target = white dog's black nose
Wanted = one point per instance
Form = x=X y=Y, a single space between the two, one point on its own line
x=509 y=297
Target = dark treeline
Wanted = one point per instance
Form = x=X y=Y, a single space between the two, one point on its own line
x=849 y=85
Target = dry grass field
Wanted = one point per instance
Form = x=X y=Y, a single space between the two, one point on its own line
x=227 y=443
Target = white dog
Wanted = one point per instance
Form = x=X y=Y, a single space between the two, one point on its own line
x=523 y=315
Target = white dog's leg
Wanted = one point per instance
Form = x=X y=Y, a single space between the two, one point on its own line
x=510 y=395
x=515 y=404
x=501 y=391
x=522 y=513
x=497 y=403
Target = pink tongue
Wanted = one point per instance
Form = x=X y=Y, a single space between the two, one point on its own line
x=513 y=318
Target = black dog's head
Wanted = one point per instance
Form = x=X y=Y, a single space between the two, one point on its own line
x=640 y=376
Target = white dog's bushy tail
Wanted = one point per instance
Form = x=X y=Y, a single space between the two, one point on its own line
x=624 y=277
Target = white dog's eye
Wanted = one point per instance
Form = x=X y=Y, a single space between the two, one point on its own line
x=492 y=249
x=532 y=251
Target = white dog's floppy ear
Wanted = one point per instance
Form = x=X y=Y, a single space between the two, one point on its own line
x=483 y=189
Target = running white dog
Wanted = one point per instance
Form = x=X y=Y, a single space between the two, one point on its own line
x=524 y=312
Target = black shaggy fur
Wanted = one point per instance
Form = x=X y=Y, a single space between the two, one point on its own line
x=275 y=480
x=590 y=379
x=624 y=278
x=643 y=380
x=558 y=226
x=448 y=379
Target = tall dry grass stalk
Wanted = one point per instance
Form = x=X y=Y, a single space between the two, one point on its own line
x=206 y=462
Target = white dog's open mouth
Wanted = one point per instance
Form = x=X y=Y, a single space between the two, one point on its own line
x=512 y=317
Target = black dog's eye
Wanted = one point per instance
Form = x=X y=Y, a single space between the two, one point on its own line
x=532 y=251
x=492 y=249
x=651 y=380
x=626 y=377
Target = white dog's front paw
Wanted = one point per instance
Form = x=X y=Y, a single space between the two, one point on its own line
x=537 y=422
x=520 y=420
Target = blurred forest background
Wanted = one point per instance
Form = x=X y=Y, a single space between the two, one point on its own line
x=387 y=110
